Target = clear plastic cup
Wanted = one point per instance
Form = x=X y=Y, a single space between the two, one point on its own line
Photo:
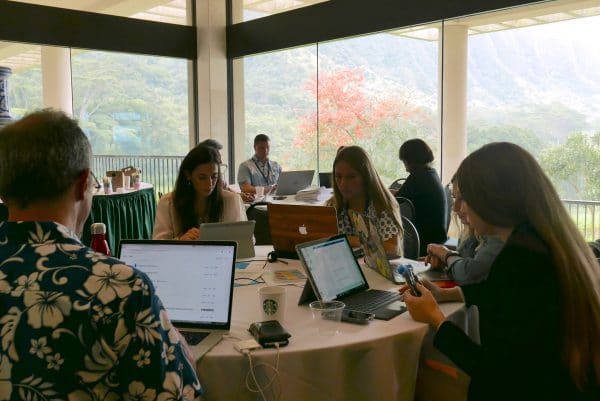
x=327 y=315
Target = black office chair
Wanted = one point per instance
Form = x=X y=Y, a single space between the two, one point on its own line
x=595 y=245
x=397 y=184
x=449 y=203
x=262 y=232
x=411 y=239
x=407 y=209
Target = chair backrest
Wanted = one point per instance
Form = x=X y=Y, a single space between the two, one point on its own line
x=262 y=233
x=407 y=209
x=411 y=242
x=449 y=203
x=397 y=184
x=595 y=245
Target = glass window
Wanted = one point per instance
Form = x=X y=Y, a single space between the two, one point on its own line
x=274 y=95
x=539 y=87
x=246 y=10
x=131 y=104
x=170 y=11
x=25 y=81
x=377 y=91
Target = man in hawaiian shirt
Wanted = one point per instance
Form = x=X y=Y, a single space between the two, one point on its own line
x=74 y=324
x=259 y=171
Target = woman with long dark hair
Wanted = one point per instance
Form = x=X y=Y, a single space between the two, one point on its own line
x=198 y=198
x=539 y=307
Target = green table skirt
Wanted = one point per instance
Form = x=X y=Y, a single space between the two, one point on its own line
x=127 y=216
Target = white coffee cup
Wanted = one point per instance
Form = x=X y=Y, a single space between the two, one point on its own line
x=260 y=192
x=126 y=181
x=272 y=302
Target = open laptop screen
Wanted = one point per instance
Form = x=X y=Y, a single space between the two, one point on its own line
x=193 y=280
x=332 y=267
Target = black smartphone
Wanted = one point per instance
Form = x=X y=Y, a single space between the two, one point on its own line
x=411 y=279
x=353 y=316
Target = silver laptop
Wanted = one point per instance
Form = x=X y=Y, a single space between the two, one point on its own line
x=376 y=257
x=194 y=280
x=241 y=232
x=290 y=182
x=334 y=273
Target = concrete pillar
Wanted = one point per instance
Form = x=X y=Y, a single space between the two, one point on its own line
x=211 y=18
x=453 y=73
x=56 y=78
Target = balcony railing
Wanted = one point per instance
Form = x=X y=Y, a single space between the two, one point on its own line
x=586 y=214
x=160 y=171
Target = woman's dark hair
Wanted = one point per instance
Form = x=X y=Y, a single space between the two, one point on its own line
x=184 y=195
x=415 y=152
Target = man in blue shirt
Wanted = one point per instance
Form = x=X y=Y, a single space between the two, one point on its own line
x=74 y=324
x=259 y=171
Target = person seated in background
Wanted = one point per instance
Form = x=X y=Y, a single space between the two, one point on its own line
x=71 y=318
x=213 y=143
x=539 y=307
x=259 y=171
x=424 y=189
x=357 y=186
x=471 y=261
x=198 y=198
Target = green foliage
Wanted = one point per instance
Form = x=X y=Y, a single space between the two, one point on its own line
x=574 y=167
x=131 y=104
x=480 y=133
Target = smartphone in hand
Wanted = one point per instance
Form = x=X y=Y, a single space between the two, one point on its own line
x=411 y=279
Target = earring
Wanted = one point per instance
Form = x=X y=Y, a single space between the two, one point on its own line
x=189 y=183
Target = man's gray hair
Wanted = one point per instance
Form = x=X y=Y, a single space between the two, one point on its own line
x=41 y=157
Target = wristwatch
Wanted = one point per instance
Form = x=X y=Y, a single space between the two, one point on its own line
x=450 y=254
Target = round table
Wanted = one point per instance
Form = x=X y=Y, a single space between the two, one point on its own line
x=378 y=361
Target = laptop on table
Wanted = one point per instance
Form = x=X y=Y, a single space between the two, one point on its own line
x=291 y=225
x=241 y=232
x=194 y=280
x=376 y=257
x=290 y=182
x=325 y=180
x=334 y=274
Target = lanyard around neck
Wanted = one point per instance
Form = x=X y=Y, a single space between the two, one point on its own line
x=261 y=172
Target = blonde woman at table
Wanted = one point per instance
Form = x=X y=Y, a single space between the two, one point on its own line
x=539 y=307
x=472 y=260
x=357 y=186
x=198 y=198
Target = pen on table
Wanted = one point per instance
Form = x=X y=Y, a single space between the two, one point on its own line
x=283 y=261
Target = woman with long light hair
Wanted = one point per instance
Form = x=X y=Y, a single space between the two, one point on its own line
x=357 y=186
x=540 y=304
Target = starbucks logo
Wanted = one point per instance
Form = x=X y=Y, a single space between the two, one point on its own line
x=270 y=306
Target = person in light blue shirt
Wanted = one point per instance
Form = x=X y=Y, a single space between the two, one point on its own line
x=259 y=171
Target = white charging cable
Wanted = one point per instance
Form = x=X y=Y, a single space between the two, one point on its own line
x=251 y=373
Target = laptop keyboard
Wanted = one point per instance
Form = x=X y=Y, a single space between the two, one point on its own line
x=370 y=301
x=194 y=337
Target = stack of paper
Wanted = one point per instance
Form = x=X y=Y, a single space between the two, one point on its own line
x=314 y=194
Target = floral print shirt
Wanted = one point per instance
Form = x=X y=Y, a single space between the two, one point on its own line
x=386 y=227
x=80 y=326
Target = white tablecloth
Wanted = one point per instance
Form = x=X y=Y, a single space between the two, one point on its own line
x=378 y=361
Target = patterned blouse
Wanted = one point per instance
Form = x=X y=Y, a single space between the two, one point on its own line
x=386 y=227
x=78 y=325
